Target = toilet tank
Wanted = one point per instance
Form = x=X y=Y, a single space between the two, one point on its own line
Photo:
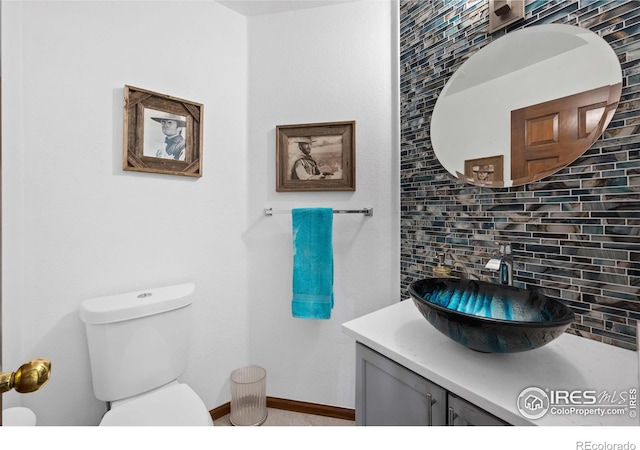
x=137 y=341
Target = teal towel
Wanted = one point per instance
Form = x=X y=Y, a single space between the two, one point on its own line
x=312 y=263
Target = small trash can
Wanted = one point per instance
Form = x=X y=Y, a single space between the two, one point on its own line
x=248 y=396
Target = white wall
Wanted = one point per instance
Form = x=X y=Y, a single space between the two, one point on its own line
x=325 y=64
x=76 y=226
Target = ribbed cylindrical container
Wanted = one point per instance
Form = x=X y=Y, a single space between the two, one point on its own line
x=248 y=396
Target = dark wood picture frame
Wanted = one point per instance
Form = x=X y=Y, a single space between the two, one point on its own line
x=488 y=171
x=146 y=114
x=316 y=157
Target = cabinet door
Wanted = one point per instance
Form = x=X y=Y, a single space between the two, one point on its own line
x=390 y=394
x=463 y=413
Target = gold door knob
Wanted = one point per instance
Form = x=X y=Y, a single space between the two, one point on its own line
x=28 y=378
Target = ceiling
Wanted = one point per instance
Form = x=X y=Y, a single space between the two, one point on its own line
x=262 y=7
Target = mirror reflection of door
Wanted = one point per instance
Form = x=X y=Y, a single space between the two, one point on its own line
x=548 y=136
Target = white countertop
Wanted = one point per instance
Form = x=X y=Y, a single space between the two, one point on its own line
x=493 y=381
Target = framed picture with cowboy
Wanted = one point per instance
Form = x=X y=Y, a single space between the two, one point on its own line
x=162 y=134
x=487 y=171
x=316 y=157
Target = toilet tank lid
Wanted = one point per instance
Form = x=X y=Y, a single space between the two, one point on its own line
x=117 y=308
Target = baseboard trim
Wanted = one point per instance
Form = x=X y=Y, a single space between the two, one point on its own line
x=317 y=409
x=220 y=411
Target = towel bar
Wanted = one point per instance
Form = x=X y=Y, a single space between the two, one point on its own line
x=366 y=211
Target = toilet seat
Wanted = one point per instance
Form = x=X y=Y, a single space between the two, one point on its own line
x=176 y=404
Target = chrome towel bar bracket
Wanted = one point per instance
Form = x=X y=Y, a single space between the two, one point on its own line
x=366 y=211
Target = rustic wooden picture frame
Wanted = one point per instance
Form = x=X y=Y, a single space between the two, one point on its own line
x=316 y=157
x=146 y=114
x=488 y=171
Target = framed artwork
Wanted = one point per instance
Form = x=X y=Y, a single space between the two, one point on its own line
x=487 y=171
x=316 y=157
x=162 y=134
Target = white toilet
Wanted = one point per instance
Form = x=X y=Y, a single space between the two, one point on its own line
x=138 y=346
x=18 y=417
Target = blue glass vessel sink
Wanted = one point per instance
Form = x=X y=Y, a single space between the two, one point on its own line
x=488 y=317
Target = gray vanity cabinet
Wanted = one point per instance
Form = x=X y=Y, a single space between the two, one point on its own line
x=390 y=394
x=462 y=413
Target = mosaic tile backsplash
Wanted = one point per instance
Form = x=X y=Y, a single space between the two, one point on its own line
x=575 y=234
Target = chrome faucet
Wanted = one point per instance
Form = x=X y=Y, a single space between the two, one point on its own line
x=503 y=264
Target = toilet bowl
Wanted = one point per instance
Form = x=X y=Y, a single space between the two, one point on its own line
x=173 y=405
x=138 y=347
x=18 y=417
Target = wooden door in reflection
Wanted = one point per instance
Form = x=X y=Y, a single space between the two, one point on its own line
x=548 y=136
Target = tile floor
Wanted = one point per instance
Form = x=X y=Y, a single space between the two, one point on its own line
x=280 y=417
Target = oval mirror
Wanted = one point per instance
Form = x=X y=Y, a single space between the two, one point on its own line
x=526 y=105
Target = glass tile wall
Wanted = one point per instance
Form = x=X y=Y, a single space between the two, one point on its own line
x=575 y=234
